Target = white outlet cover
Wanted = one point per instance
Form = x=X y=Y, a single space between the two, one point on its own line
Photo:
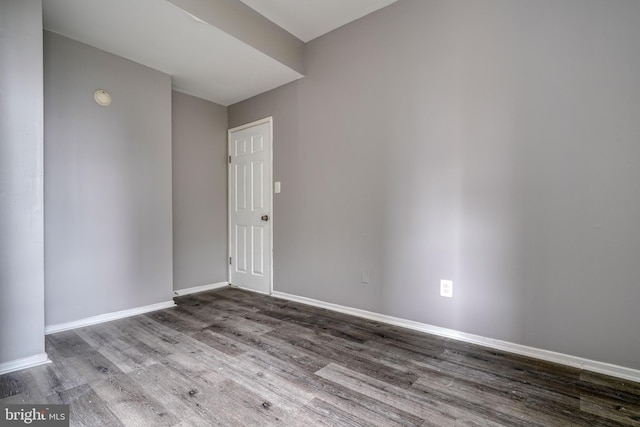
x=446 y=288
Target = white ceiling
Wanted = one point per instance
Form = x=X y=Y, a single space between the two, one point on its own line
x=308 y=19
x=203 y=60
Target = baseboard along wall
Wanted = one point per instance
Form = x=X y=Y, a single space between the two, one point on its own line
x=196 y=289
x=107 y=317
x=24 y=363
x=549 y=356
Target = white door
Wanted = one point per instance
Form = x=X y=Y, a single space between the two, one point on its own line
x=250 y=200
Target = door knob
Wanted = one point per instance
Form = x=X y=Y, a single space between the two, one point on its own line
x=265 y=217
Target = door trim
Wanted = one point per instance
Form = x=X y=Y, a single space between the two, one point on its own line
x=268 y=120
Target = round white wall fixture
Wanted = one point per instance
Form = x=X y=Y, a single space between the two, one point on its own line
x=102 y=97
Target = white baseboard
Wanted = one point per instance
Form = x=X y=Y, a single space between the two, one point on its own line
x=550 y=356
x=24 y=363
x=196 y=289
x=52 y=329
x=249 y=289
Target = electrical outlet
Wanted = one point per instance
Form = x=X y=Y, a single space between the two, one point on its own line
x=446 y=288
x=364 y=277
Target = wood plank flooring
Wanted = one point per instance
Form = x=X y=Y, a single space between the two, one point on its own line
x=235 y=358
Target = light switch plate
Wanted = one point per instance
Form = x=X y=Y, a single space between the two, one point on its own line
x=365 y=277
x=276 y=187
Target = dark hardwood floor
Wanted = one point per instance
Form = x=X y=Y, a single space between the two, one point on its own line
x=235 y=358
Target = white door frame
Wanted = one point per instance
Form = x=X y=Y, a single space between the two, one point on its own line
x=268 y=120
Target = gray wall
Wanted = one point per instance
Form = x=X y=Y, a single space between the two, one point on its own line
x=108 y=219
x=21 y=184
x=199 y=192
x=493 y=143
